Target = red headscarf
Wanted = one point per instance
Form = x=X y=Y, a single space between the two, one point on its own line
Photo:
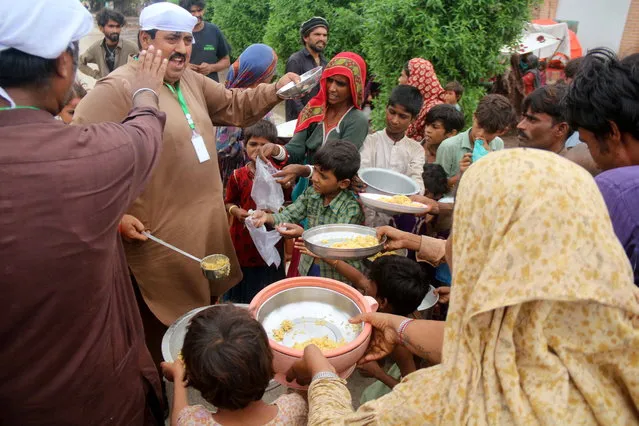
x=347 y=64
x=421 y=75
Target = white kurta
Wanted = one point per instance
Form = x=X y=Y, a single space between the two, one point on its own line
x=405 y=156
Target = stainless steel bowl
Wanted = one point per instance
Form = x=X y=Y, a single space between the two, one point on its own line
x=173 y=339
x=216 y=274
x=314 y=312
x=319 y=239
x=387 y=182
x=308 y=80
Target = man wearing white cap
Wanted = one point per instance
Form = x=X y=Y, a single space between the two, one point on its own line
x=72 y=341
x=182 y=204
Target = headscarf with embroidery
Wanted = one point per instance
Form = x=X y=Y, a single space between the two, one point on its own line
x=421 y=74
x=348 y=64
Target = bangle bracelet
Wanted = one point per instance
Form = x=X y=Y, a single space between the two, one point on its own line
x=146 y=89
x=281 y=155
x=402 y=328
x=324 y=375
x=231 y=208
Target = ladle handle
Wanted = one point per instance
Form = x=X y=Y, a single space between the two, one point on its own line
x=164 y=243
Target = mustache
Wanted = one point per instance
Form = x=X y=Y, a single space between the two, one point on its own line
x=177 y=56
x=114 y=36
x=522 y=135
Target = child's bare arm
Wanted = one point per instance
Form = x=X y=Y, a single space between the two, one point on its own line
x=174 y=371
x=352 y=274
x=404 y=360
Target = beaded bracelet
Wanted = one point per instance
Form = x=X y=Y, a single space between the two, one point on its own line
x=402 y=328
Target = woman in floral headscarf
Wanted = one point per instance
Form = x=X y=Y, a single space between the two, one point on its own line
x=335 y=113
x=420 y=73
x=543 y=326
x=255 y=65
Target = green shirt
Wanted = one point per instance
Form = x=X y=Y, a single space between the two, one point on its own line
x=451 y=151
x=344 y=208
x=353 y=127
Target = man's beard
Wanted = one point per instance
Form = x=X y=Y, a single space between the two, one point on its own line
x=315 y=48
x=114 y=36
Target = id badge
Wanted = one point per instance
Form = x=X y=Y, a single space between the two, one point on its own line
x=200 y=147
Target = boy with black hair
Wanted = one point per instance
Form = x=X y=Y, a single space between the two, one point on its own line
x=435 y=181
x=390 y=148
x=442 y=122
x=453 y=93
x=492 y=118
x=327 y=201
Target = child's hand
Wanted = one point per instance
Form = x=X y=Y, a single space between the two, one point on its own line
x=444 y=294
x=299 y=244
x=239 y=213
x=465 y=162
x=358 y=185
x=173 y=371
x=290 y=230
x=433 y=206
x=371 y=369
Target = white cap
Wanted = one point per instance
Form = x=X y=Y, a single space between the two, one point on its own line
x=167 y=16
x=43 y=28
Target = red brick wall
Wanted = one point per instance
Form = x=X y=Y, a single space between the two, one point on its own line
x=630 y=39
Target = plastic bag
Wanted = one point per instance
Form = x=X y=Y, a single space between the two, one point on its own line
x=267 y=192
x=265 y=242
x=479 y=151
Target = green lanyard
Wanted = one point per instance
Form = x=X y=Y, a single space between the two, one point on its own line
x=19 y=107
x=182 y=103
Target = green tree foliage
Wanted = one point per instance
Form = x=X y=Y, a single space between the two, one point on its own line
x=462 y=39
x=242 y=22
x=345 y=19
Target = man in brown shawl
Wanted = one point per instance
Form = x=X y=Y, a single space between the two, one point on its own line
x=182 y=204
x=72 y=341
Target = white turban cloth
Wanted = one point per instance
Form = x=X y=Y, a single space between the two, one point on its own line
x=43 y=28
x=167 y=16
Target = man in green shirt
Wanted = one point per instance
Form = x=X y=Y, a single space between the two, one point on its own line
x=493 y=117
x=328 y=201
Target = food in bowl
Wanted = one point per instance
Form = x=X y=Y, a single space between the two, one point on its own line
x=361 y=241
x=216 y=264
x=324 y=343
x=285 y=327
x=402 y=200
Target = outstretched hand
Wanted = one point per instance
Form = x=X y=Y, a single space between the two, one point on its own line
x=385 y=336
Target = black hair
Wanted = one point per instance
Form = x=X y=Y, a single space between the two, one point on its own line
x=455 y=86
x=494 y=113
x=407 y=96
x=227 y=357
x=450 y=117
x=339 y=156
x=435 y=179
x=188 y=4
x=547 y=100
x=605 y=90
x=407 y=69
x=19 y=69
x=262 y=129
x=400 y=281
x=151 y=34
x=532 y=61
x=572 y=67
x=105 y=15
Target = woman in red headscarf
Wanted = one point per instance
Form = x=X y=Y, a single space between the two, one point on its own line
x=420 y=73
x=335 y=113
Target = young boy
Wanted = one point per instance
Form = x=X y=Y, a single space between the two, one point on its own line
x=327 y=201
x=454 y=91
x=435 y=181
x=238 y=201
x=442 y=122
x=390 y=148
x=493 y=117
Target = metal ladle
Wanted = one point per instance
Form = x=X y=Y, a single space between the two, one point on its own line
x=210 y=274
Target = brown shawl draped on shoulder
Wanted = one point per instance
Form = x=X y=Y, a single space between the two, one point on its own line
x=182 y=203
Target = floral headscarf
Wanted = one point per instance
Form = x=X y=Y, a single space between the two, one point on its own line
x=348 y=64
x=421 y=75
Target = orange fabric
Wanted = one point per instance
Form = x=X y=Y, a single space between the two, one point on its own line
x=422 y=76
x=348 y=64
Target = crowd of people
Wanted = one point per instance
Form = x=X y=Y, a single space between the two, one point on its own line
x=533 y=251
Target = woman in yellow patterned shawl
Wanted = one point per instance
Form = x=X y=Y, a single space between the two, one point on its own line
x=543 y=326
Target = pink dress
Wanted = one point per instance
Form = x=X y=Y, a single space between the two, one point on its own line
x=292 y=411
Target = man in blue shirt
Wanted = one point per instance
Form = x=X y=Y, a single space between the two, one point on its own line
x=211 y=52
